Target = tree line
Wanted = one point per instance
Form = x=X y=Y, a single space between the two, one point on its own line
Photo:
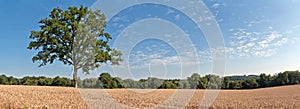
x=36 y=81
x=195 y=81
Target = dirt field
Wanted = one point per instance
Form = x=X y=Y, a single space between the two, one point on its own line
x=55 y=97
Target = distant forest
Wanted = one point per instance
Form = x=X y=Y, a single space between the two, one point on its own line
x=195 y=81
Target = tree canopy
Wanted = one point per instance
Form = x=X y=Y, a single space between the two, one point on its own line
x=76 y=37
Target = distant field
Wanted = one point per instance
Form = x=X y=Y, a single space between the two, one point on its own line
x=60 y=97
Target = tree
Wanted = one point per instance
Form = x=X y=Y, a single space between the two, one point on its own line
x=294 y=77
x=168 y=84
x=57 y=81
x=118 y=82
x=214 y=81
x=234 y=85
x=143 y=83
x=154 y=83
x=249 y=84
x=29 y=80
x=184 y=84
x=89 y=83
x=226 y=82
x=281 y=79
x=194 y=80
x=203 y=83
x=106 y=81
x=76 y=37
x=264 y=80
x=129 y=83
x=80 y=83
x=12 y=80
x=43 y=81
x=3 y=79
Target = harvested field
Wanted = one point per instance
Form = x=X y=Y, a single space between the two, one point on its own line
x=284 y=97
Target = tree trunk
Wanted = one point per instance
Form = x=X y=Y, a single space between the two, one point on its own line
x=75 y=76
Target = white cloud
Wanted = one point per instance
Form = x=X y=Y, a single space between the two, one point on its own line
x=170 y=11
x=247 y=43
x=270 y=27
x=116 y=19
x=177 y=17
x=253 y=23
x=281 y=42
x=250 y=44
x=148 y=49
x=141 y=59
x=155 y=56
x=171 y=60
x=216 y=5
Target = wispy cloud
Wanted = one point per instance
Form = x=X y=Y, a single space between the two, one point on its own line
x=253 y=43
x=177 y=17
x=144 y=57
x=216 y=5
x=170 y=11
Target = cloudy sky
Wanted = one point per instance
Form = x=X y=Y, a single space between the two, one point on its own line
x=164 y=41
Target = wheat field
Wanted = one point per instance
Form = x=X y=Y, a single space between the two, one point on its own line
x=285 y=97
x=40 y=97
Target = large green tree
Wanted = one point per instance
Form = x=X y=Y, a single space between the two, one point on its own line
x=76 y=37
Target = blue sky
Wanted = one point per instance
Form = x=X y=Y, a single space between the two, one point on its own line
x=259 y=37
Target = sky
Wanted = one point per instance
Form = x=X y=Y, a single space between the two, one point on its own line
x=259 y=36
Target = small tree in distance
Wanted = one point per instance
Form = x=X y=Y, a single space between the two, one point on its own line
x=76 y=37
